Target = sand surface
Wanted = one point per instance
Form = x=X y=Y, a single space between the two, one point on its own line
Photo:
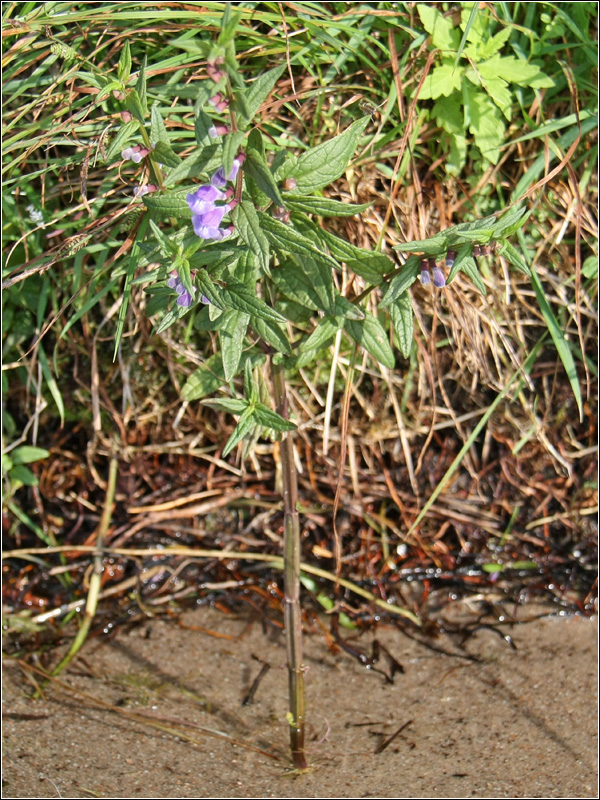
x=520 y=723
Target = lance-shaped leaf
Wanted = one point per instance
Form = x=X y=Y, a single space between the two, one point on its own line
x=209 y=289
x=272 y=334
x=232 y=332
x=169 y=204
x=469 y=267
x=247 y=223
x=124 y=67
x=243 y=298
x=163 y=154
x=370 y=334
x=369 y=265
x=510 y=222
x=323 y=206
x=244 y=428
x=232 y=405
x=259 y=90
x=133 y=104
x=202 y=125
x=515 y=258
x=286 y=239
x=401 y=282
x=124 y=134
x=321 y=337
x=158 y=132
x=344 y=308
x=205 y=380
x=401 y=312
x=140 y=87
x=203 y=160
x=323 y=164
x=307 y=282
x=231 y=146
x=270 y=419
x=256 y=166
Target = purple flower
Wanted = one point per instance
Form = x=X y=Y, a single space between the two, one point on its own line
x=438 y=278
x=184 y=298
x=219 y=179
x=202 y=201
x=134 y=154
x=450 y=258
x=206 y=226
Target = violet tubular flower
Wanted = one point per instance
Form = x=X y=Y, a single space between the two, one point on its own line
x=202 y=201
x=425 y=274
x=184 y=298
x=219 y=179
x=207 y=226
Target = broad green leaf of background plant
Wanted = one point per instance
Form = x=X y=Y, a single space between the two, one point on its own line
x=443 y=34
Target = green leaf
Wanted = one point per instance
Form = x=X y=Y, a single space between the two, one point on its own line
x=136 y=253
x=257 y=168
x=515 y=258
x=443 y=34
x=369 y=265
x=401 y=282
x=311 y=284
x=562 y=346
x=344 y=308
x=229 y=24
x=323 y=206
x=511 y=222
x=231 y=146
x=209 y=289
x=434 y=246
x=244 y=298
x=23 y=475
x=202 y=124
x=26 y=454
x=401 y=312
x=284 y=237
x=270 y=419
x=244 y=427
x=232 y=333
x=469 y=267
x=323 y=164
x=486 y=123
x=370 y=334
x=124 y=68
x=124 y=134
x=141 y=88
x=248 y=225
x=169 y=204
x=158 y=132
x=166 y=245
x=230 y=404
x=134 y=105
x=205 y=380
x=259 y=90
x=320 y=338
x=163 y=154
x=51 y=383
x=272 y=334
x=200 y=161
x=442 y=81
x=515 y=70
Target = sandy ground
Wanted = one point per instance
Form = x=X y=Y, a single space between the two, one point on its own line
x=517 y=724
